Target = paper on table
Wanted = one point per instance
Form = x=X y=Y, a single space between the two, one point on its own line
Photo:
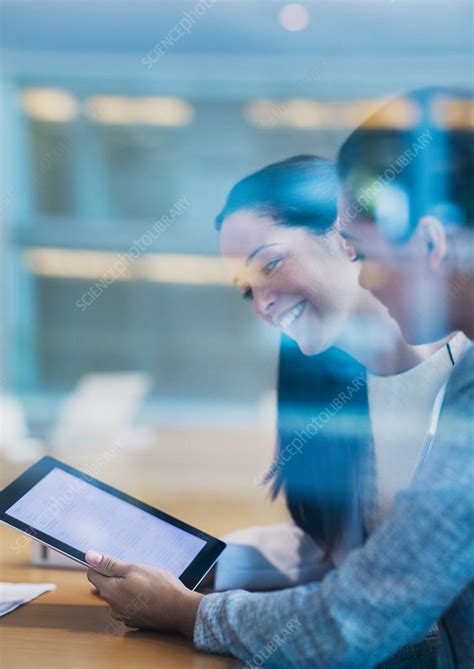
x=13 y=595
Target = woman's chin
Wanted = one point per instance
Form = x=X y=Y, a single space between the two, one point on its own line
x=309 y=346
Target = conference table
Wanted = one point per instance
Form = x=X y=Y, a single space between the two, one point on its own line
x=71 y=627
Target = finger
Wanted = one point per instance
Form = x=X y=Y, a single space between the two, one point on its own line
x=106 y=565
x=101 y=582
x=116 y=615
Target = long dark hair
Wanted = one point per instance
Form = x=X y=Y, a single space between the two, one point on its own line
x=323 y=431
x=320 y=477
x=299 y=192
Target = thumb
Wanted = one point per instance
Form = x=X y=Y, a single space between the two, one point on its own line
x=104 y=564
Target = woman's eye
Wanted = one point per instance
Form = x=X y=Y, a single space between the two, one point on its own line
x=357 y=256
x=270 y=266
x=247 y=295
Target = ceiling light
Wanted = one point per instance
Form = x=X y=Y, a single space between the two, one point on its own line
x=293 y=17
x=52 y=105
x=111 y=109
x=454 y=113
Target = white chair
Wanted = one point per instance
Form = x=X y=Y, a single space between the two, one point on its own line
x=15 y=443
x=100 y=411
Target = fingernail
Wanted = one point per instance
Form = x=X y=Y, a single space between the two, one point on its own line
x=93 y=557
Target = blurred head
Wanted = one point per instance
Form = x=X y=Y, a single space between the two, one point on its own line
x=406 y=208
x=279 y=235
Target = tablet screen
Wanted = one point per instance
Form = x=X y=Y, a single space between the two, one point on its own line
x=84 y=516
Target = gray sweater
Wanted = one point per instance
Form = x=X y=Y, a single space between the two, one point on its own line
x=416 y=569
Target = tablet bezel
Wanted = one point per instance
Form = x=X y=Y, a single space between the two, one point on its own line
x=192 y=575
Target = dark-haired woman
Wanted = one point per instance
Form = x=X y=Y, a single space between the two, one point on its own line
x=346 y=377
x=280 y=237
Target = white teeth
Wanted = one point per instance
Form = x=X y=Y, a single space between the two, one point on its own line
x=292 y=316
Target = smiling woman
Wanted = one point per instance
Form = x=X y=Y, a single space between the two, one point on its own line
x=342 y=463
x=279 y=235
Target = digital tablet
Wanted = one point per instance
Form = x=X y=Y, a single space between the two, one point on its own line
x=72 y=512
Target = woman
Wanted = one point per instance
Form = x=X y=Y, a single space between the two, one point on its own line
x=286 y=213
x=280 y=236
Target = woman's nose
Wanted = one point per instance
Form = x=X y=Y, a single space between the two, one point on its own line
x=263 y=303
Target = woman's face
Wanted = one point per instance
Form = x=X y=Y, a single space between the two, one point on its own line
x=302 y=283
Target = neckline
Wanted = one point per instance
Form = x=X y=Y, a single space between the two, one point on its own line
x=457 y=343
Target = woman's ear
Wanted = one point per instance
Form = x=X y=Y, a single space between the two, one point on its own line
x=342 y=242
x=347 y=248
x=432 y=235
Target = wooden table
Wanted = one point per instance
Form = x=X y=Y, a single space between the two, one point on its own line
x=71 y=628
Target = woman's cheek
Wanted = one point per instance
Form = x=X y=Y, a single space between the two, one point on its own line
x=293 y=277
x=283 y=282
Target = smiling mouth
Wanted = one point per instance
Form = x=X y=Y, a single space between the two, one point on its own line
x=291 y=316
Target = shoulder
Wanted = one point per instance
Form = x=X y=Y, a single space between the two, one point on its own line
x=451 y=463
x=460 y=388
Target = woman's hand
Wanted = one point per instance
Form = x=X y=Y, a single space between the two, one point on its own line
x=142 y=596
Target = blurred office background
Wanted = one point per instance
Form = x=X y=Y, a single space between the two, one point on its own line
x=110 y=117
